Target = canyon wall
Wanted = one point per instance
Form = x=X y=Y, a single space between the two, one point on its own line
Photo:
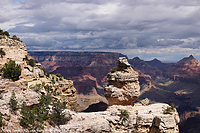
x=161 y=82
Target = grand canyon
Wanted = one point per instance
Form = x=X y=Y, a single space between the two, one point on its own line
x=177 y=83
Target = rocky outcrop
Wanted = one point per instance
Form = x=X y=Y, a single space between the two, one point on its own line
x=14 y=50
x=139 y=119
x=123 y=85
x=33 y=82
x=62 y=88
x=22 y=92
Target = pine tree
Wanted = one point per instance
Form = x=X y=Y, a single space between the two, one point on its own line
x=2 y=53
x=11 y=70
x=57 y=116
x=13 y=103
x=1 y=120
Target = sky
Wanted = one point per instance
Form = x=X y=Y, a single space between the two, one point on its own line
x=164 y=29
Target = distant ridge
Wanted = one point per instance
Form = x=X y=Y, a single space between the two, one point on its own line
x=158 y=64
x=187 y=68
x=187 y=61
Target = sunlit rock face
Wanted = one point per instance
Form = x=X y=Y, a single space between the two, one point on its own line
x=141 y=119
x=123 y=85
x=14 y=50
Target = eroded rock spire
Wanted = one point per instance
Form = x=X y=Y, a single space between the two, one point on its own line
x=123 y=85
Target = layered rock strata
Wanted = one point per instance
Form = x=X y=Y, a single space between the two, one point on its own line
x=123 y=85
x=14 y=50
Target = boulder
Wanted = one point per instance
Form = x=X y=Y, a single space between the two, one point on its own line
x=123 y=85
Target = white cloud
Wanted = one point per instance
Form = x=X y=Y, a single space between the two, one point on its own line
x=144 y=26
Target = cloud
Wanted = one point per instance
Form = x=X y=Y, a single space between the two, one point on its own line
x=102 y=24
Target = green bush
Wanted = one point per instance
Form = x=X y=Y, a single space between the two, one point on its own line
x=59 y=75
x=58 y=117
x=11 y=70
x=14 y=37
x=45 y=100
x=124 y=115
x=69 y=78
x=53 y=81
x=1 y=120
x=47 y=88
x=13 y=103
x=2 y=53
x=33 y=119
x=1 y=32
x=36 y=88
x=170 y=110
x=6 y=33
x=114 y=69
x=29 y=119
x=45 y=72
x=31 y=62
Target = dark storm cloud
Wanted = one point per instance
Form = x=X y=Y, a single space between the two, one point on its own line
x=102 y=24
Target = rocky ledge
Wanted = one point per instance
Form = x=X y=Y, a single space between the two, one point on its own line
x=117 y=118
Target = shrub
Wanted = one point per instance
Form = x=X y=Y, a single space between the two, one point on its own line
x=53 y=81
x=29 y=118
x=114 y=69
x=1 y=120
x=36 y=88
x=124 y=115
x=59 y=75
x=170 y=109
x=13 y=103
x=34 y=119
x=45 y=72
x=45 y=100
x=11 y=70
x=47 y=88
x=69 y=78
x=31 y=62
x=1 y=32
x=2 y=53
x=6 y=33
x=58 y=117
x=14 y=37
